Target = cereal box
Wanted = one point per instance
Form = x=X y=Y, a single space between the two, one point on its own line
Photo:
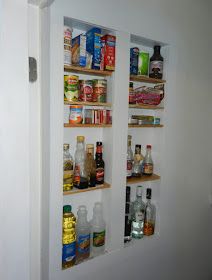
x=134 y=53
x=79 y=50
x=143 y=63
x=109 y=42
x=93 y=46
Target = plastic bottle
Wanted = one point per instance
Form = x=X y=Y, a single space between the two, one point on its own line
x=98 y=229
x=90 y=165
x=69 y=237
x=68 y=166
x=83 y=235
x=147 y=164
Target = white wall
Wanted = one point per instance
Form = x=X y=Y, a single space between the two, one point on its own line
x=14 y=141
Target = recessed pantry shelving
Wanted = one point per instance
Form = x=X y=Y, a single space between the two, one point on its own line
x=145 y=125
x=87 y=125
x=145 y=107
x=145 y=79
x=85 y=103
x=143 y=178
x=98 y=187
x=87 y=71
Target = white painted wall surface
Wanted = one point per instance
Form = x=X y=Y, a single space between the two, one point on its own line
x=14 y=141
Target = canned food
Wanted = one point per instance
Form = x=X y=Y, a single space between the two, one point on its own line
x=100 y=91
x=71 y=87
x=86 y=90
x=67 y=45
x=75 y=116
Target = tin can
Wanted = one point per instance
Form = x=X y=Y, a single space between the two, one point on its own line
x=75 y=116
x=86 y=90
x=71 y=87
x=100 y=90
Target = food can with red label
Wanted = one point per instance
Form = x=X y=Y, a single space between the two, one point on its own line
x=100 y=90
x=86 y=90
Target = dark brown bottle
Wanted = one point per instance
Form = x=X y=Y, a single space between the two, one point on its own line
x=156 y=64
x=100 y=165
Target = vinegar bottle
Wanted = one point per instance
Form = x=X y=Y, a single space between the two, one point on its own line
x=156 y=64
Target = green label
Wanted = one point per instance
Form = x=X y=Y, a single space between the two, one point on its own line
x=99 y=239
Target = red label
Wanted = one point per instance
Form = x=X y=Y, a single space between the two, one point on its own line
x=100 y=174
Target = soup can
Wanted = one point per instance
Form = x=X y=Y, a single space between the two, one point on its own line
x=100 y=90
x=75 y=116
x=86 y=90
x=71 y=87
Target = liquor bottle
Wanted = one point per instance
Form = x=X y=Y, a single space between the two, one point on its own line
x=147 y=165
x=129 y=157
x=100 y=165
x=83 y=235
x=80 y=175
x=127 y=228
x=150 y=213
x=156 y=64
x=90 y=165
x=98 y=229
x=69 y=237
x=137 y=215
x=136 y=171
x=68 y=172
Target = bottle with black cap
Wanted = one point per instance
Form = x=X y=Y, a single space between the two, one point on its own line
x=100 y=165
x=156 y=64
x=150 y=213
x=127 y=228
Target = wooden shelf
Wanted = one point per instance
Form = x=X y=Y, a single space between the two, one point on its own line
x=83 y=70
x=144 y=178
x=145 y=79
x=88 y=103
x=146 y=107
x=145 y=125
x=98 y=187
x=87 y=125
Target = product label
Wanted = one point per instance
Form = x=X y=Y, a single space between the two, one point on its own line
x=139 y=216
x=148 y=168
x=69 y=252
x=77 y=175
x=68 y=177
x=129 y=168
x=99 y=239
x=83 y=243
x=156 y=67
x=149 y=228
x=99 y=174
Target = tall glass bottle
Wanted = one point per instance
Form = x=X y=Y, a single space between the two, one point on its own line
x=129 y=157
x=80 y=175
x=127 y=228
x=150 y=213
x=68 y=172
x=147 y=165
x=100 y=165
x=136 y=172
x=156 y=64
x=90 y=165
x=137 y=215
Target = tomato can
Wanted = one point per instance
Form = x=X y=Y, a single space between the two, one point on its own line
x=100 y=91
x=75 y=116
x=71 y=87
x=86 y=90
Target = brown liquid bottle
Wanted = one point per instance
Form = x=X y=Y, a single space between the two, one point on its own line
x=100 y=165
x=156 y=64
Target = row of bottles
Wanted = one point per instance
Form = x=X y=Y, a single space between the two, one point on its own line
x=84 y=171
x=82 y=239
x=139 y=216
x=138 y=165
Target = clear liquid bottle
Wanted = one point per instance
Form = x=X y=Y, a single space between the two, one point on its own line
x=129 y=157
x=156 y=64
x=90 y=165
x=137 y=215
x=69 y=237
x=83 y=235
x=147 y=165
x=136 y=172
x=150 y=213
x=68 y=172
x=80 y=175
x=98 y=230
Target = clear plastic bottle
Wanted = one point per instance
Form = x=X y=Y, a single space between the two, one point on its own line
x=150 y=213
x=90 y=165
x=129 y=157
x=83 y=235
x=80 y=175
x=147 y=165
x=137 y=215
x=98 y=230
x=68 y=172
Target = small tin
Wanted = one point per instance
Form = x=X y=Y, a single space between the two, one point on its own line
x=75 y=116
x=100 y=91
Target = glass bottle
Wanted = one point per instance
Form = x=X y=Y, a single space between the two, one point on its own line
x=129 y=157
x=150 y=213
x=90 y=165
x=156 y=64
x=68 y=172
x=69 y=237
x=147 y=165
x=137 y=214
x=136 y=172
x=98 y=229
x=83 y=235
x=100 y=165
x=127 y=228
x=80 y=176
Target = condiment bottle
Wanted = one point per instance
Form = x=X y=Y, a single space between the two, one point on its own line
x=90 y=165
x=156 y=64
x=100 y=165
x=147 y=165
x=136 y=172
x=68 y=171
x=129 y=157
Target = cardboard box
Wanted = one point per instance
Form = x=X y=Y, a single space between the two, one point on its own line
x=93 y=46
x=109 y=42
x=79 y=50
x=143 y=63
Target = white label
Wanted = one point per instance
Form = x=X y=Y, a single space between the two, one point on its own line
x=156 y=66
x=139 y=216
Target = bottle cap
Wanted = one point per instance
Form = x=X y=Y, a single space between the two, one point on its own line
x=67 y=209
x=148 y=146
x=139 y=191
x=97 y=207
x=156 y=47
x=82 y=209
x=148 y=193
x=138 y=146
x=65 y=147
x=98 y=143
x=80 y=138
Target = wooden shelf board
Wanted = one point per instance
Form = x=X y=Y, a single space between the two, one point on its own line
x=87 y=103
x=145 y=79
x=145 y=125
x=144 y=178
x=146 y=107
x=83 y=70
x=98 y=187
x=87 y=125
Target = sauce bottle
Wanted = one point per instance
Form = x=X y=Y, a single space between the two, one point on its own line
x=156 y=64
x=100 y=165
x=147 y=165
